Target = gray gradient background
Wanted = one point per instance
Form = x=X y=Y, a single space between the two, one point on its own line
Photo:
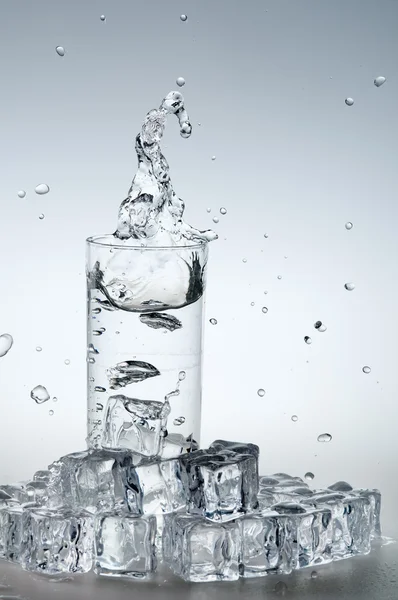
x=267 y=81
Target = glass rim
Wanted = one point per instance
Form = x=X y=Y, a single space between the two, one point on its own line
x=95 y=240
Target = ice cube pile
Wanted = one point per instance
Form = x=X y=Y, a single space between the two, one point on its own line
x=204 y=513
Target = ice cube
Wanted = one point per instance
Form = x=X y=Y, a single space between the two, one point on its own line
x=125 y=545
x=16 y=492
x=94 y=480
x=58 y=542
x=374 y=498
x=200 y=550
x=137 y=425
x=238 y=447
x=314 y=533
x=159 y=487
x=11 y=532
x=219 y=486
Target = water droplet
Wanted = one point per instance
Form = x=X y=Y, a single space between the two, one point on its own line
x=261 y=392
x=366 y=370
x=179 y=421
x=91 y=360
x=314 y=574
x=181 y=375
x=279 y=277
x=103 y=18
x=285 y=257
x=244 y=260
x=349 y=286
x=252 y=303
x=51 y=412
x=310 y=476
x=324 y=437
x=6 y=342
x=349 y=101
x=320 y=326
x=55 y=399
x=264 y=309
x=213 y=158
x=215 y=219
x=208 y=210
x=379 y=81
x=265 y=292
x=99 y=331
x=39 y=348
x=180 y=81
x=21 y=194
x=67 y=361
x=60 y=51
x=348 y=225
x=41 y=217
x=281 y=588
x=183 y=17
x=96 y=311
x=213 y=321
x=307 y=340
x=223 y=210
x=117 y=332
x=99 y=406
x=294 y=418
x=98 y=388
x=39 y=394
x=265 y=235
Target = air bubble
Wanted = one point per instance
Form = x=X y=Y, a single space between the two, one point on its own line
x=213 y=321
x=349 y=286
x=379 y=81
x=349 y=101
x=366 y=370
x=261 y=392
x=348 y=225
x=60 y=50
x=180 y=81
x=324 y=437
x=21 y=194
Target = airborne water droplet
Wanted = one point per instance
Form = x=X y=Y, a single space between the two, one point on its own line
x=99 y=388
x=310 y=476
x=103 y=18
x=41 y=217
x=279 y=277
x=261 y=392
x=223 y=210
x=208 y=210
x=216 y=219
x=213 y=158
x=349 y=286
x=40 y=394
x=183 y=17
x=252 y=303
x=51 y=412
x=307 y=340
x=21 y=194
x=60 y=50
x=366 y=370
x=39 y=348
x=213 y=321
x=324 y=437
x=349 y=225
x=294 y=418
x=67 y=361
x=379 y=81
x=179 y=421
x=349 y=101
x=180 y=81
x=6 y=342
x=244 y=260
x=181 y=375
x=42 y=189
x=264 y=309
x=265 y=235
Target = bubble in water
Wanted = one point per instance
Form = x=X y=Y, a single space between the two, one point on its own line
x=39 y=348
x=215 y=219
x=181 y=375
x=67 y=361
x=223 y=210
x=366 y=370
x=103 y=18
x=180 y=81
x=21 y=194
x=314 y=574
x=324 y=437
x=294 y=418
x=349 y=225
x=208 y=210
x=213 y=158
x=379 y=81
x=264 y=309
x=279 y=277
x=51 y=412
x=261 y=392
x=60 y=50
x=183 y=17
x=310 y=476
x=41 y=217
x=349 y=101
x=40 y=394
x=6 y=342
x=42 y=189
x=281 y=588
x=307 y=340
x=179 y=421
x=349 y=286
x=213 y=321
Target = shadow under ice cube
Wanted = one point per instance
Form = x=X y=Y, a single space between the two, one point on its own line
x=58 y=542
x=137 y=425
x=125 y=545
x=200 y=550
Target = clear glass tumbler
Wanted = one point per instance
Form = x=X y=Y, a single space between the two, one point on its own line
x=144 y=345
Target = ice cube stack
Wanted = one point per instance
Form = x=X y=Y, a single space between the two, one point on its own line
x=205 y=513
